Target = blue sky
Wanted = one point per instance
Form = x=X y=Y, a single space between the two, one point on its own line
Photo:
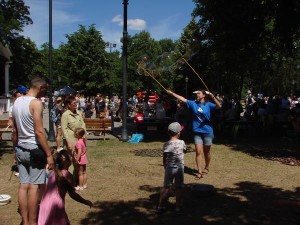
x=162 y=18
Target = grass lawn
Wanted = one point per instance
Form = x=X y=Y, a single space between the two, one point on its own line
x=124 y=182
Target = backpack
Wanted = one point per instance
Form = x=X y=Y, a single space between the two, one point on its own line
x=53 y=115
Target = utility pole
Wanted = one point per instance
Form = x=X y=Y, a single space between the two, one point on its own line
x=124 y=135
x=51 y=135
x=110 y=46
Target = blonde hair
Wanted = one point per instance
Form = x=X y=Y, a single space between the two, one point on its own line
x=80 y=132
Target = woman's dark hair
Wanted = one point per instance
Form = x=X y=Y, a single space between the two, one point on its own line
x=203 y=91
x=69 y=100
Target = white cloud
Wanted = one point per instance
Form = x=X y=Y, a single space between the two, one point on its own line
x=133 y=24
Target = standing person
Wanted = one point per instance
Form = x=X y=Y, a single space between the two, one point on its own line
x=21 y=90
x=58 y=111
x=173 y=160
x=16 y=93
x=100 y=106
x=31 y=148
x=71 y=119
x=60 y=181
x=160 y=111
x=82 y=102
x=88 y=111
x=203 y=131
x=80 y=159
x=43 y=99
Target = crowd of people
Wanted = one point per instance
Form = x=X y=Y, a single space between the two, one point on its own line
x=275 y=111
x=277 y=115
x=44 y=175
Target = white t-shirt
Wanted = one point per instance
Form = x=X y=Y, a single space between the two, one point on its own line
x=174 y=153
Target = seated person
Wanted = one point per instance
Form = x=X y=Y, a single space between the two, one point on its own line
x=138 y=120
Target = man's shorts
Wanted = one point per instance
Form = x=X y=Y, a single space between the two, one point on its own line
x=29 y=172
x=174 y=172
x=203 y=139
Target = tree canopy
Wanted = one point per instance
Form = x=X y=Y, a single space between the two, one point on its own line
x=232 y=45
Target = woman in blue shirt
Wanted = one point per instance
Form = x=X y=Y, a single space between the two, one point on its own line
x=202 y=128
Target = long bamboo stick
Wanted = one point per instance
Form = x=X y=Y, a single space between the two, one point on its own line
x=195 y=73
x=151 y=76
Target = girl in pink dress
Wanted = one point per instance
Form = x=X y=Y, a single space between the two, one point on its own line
x=60 y=181
x=80 y=159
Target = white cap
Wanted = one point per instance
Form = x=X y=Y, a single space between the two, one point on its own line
x=175 y=127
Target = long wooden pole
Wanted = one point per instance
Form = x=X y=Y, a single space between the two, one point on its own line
x=195 y=73
x=151 y=76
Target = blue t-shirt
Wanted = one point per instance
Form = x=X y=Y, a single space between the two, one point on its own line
x=201 y=116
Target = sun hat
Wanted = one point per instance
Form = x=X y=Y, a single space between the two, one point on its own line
x=175 y=127
x=21 y=89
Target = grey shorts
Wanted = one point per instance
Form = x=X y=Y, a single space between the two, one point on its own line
x=30 y=172
x=172 y=173
x=203 y=139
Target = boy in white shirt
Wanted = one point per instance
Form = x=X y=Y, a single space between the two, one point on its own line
x=173 y=160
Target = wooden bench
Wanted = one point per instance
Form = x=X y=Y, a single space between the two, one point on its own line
x=4 y=128
x=98 y=125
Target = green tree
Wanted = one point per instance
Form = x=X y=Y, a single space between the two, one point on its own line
x=42 y=67
x=249 y=42
x=25 y=58
x=84 y=61
x=14 y=15
x=151 y=55
x=141 y=47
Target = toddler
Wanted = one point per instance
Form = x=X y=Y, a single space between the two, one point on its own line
x=60 y=181
x=80 y=159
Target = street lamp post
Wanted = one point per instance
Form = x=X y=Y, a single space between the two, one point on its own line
x=186 y=85
x=110 y=46
x=124 y=135
x=51 y=135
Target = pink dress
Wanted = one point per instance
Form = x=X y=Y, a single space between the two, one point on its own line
x=52 y=207
x=83 y=159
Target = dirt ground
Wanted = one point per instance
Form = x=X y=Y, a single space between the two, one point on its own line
x=124 y=182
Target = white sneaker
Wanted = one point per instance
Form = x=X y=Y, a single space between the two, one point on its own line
x=78 y=188
x=16 y=174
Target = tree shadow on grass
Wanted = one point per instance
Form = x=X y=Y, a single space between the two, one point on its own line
x=246 y=203
x=284 y=150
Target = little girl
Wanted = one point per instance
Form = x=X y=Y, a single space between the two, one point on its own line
x=60 y=181
x=80 y=159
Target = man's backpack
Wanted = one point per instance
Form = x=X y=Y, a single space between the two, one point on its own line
x=53 y=115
